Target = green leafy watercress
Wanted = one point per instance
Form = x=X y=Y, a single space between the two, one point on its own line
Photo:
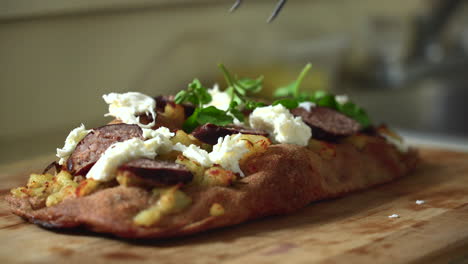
x=292 y=89
x=239 y=88
x=199 y=96
x=320 y=98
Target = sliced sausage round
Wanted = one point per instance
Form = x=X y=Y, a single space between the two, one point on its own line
x=209 y=133
x=327 y=123
x=93 y=145
x=158 y=172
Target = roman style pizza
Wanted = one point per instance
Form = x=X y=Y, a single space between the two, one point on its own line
x=208 y=157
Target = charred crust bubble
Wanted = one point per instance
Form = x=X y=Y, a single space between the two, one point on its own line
x=158 y=172
x=326 y=123
x=93 y=145
x=209 y=133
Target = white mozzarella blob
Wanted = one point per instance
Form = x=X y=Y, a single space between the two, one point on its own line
x=162 y=136
x=127 y=107
x=120 y=153
x=219 y=99
x=307 y=105
x=282 y=126
x=342 y=99
x=194 y=153
x=75 y=136
x=228 y=152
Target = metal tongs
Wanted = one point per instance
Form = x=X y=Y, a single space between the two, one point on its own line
x=273 y=15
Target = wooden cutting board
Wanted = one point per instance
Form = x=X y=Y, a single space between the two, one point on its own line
x=353 y=229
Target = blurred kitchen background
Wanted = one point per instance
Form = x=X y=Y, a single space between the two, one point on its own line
x=405 y=61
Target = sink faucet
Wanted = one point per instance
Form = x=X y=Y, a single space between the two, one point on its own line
x=423 y=56
x=428 y=29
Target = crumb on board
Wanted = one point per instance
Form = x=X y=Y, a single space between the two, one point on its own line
x=394 y=216
x=420 y=202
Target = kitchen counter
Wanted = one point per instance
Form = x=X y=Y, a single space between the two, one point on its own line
x=419 y=139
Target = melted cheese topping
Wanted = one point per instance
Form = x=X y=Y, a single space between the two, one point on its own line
x=121 y=152
x=194 y=153
x=282 y=126
x=226 y=153
x=75 y=136
x=219 y=99
x=128 y=106
x=342 y=99
x=162 y=136
x=307 y=106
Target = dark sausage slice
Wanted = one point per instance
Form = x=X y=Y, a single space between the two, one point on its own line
x=157 y=172
x=91 y=147
x=326 y=123
x=209 y=133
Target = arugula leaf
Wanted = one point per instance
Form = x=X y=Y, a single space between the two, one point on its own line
x=354 y=111
x=251 y=85
x=192 y=121
x=237 y=114
x=318 y=94
x=327 y=100
x=238 y=89
x=213 y=115
x=235 y=97
x=251 y=105
x=320 y=98
x=284 y=91
x=292 y=89
x=289 y=103
x=209 y=114
x=199 y=96
x=195 y=94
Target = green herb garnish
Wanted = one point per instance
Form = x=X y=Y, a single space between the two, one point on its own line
x=195 y=94
x=292 y=89
x=199 y=96
x=289 y=103
x=238 y=89
x=355 y=112
x=251 y=105
x=320 y=98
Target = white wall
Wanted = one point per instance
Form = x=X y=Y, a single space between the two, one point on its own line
x=54 y=69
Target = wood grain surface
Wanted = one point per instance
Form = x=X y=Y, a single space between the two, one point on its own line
x=353 y=229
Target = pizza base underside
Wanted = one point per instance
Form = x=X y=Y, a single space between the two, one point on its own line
x=279 y=181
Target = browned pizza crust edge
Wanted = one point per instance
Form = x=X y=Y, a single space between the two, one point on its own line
x=280 y=181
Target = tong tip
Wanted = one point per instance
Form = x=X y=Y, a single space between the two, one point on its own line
x=235 y=6
x=273 y=15
x=277 y=10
